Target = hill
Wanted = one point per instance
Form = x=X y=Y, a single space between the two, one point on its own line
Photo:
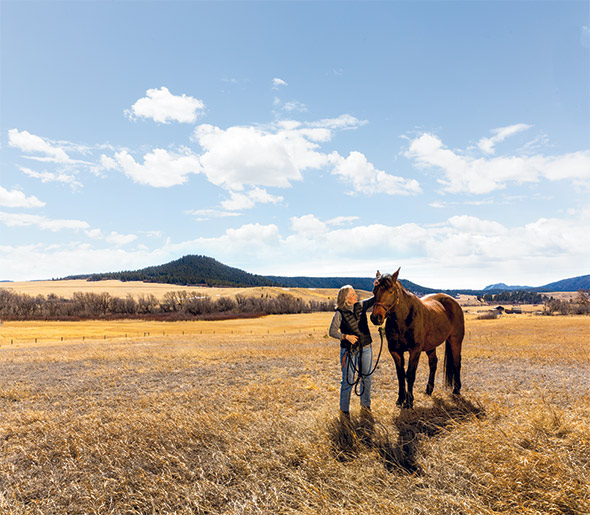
x=188 y=270
x=193 y=270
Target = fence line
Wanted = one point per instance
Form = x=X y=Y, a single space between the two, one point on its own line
x=84 y=338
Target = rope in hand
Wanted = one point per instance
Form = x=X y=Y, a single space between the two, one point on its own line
x=357 y=369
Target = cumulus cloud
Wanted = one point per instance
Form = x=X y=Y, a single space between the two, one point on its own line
x=248 y=155
x=15 y=198
x=487 y=145
x=160 y=169
x=27 y=220
x=365 y=178
x=277 y=155
x=162 y=106
x=32 y=144
x=465 y=173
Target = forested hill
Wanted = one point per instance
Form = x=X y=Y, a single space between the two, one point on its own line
x=188 y=270
x=358 y=283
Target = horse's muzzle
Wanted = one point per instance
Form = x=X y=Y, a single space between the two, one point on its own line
x=377 y=318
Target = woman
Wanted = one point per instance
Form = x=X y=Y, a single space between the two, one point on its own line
x=350 y=326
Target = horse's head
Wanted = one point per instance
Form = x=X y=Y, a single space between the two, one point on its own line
x=386 y=296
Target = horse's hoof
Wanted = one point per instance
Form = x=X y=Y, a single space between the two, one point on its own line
x=457 y=393
x=408 y=405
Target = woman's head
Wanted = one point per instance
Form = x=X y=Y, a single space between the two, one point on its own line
x=347 y=297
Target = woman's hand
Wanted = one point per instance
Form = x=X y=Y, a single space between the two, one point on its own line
x=352 y=338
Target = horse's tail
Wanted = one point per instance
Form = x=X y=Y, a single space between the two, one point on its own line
x=449 y=364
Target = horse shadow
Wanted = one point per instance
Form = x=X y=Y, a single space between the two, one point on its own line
x=349 y=438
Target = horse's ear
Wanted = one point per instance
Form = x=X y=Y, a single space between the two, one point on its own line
x=394 y=276
x=378 y=275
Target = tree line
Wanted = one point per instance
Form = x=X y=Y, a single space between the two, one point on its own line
x=515 y=297
x=174 y=305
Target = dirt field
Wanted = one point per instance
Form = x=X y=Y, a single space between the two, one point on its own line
x=247 y=423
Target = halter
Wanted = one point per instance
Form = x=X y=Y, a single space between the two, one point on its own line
x=389 y=309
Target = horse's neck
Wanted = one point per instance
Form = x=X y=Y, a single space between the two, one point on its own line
x=407 y=302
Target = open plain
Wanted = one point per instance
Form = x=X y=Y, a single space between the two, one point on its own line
x=240 y=416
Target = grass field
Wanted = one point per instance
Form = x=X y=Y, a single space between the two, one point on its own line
x=136 y=288
x=244 y=420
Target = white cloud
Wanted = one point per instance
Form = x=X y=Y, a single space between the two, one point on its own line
x=486 y=145
x=344 y=121
x=342 y=220
x=202 y=215
x=294 y=105
x=247 y=155
x=240 y=201
x=120 y=239
x=164 y=107
x=107 y=163
x=30 y=143
x=365 y=178
x=461 y=252
x=26 y=220
x=463 y=173
x=160 y=169
x=276 y=83
x=276 y=156
x=15 y=198
x=53 y=177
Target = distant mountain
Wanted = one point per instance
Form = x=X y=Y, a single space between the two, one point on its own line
x=573 y=284
x=188 y=270
x=503 y=287
x=581 y=282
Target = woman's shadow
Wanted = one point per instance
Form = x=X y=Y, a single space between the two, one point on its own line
x=349 y=438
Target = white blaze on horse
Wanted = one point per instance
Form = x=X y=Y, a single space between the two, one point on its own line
x=416 y=325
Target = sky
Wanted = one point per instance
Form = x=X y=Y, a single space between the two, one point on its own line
x=316 y=138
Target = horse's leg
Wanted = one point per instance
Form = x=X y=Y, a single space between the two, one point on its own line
x=432 y=361
x=411 y=377
x=398 y=358
x=456 y=342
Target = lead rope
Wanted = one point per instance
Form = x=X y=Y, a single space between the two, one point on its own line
x=357 y=369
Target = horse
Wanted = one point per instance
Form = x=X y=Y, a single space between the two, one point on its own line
x=419 y=325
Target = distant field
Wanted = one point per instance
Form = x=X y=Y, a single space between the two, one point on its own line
x=244 y=420
x=137 y=288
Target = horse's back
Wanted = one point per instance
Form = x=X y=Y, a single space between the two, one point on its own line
x=443 y=305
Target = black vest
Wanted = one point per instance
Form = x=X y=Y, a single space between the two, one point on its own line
x=355 y=322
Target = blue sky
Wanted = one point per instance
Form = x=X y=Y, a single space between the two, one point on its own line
x=297 y=138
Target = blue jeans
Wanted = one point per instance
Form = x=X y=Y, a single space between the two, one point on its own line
x=349 y=363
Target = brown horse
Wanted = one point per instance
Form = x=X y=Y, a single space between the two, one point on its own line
x=415 y=325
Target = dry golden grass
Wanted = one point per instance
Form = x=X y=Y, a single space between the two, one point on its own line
x=136 y=288
x=247 y=423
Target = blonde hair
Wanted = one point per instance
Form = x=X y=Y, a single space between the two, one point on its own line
x=342 y=295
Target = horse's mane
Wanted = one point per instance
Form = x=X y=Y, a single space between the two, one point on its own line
x=386 y=280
